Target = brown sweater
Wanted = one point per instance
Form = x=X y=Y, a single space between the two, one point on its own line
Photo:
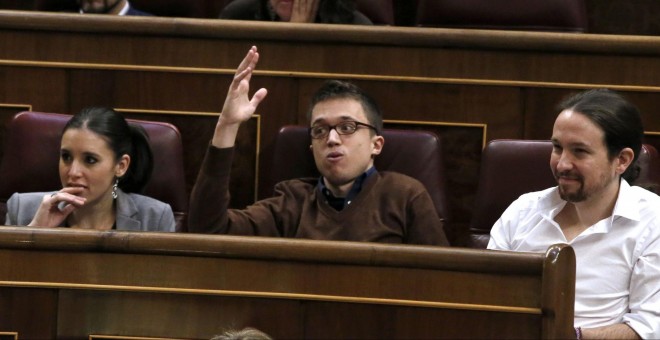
x=391 y=208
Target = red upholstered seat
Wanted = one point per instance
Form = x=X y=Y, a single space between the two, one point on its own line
x=533 y=15
x=510 y=168
x=31 y=157
x=380 y=12
x=182 y=8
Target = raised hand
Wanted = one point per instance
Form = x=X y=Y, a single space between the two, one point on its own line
x=238 y=106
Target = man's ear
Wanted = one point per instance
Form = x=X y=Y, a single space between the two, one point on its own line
x=624 y=160
x=377 y=143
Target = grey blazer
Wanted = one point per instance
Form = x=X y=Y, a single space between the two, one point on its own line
x=134 y=212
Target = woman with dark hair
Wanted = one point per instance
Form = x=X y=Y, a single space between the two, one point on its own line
x=104 y=163
x=319 y=11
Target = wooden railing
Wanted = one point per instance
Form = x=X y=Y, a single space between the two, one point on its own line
x=72 y=284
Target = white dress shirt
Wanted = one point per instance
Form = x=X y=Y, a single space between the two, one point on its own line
x=617 y=259
x=123 y=11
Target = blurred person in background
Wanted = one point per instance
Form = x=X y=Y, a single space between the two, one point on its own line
x=113 y=7
x=319 y=11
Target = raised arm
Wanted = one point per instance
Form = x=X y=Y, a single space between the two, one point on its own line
x=210 y=197
x=238 y=107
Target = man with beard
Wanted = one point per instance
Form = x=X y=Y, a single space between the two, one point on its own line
x=351 y=201
x=613 y=227
x=114 y=7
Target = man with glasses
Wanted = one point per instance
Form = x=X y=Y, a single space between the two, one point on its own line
x=351 y=201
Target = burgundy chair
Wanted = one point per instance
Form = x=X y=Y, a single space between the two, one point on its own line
x=532 y=15
x=31 y=157
x=510 y=168
x=649 y=169
x=182 y=8
x=417 y=154
x=380 y=12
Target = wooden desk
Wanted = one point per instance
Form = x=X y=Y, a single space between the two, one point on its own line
x=468 y=86
x=70 y=284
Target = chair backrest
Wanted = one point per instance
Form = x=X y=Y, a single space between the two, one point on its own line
x=182 y=8
x=533 y=15
x=380 y=12
x=31 y=157
x=510 y=168
x=417 y=154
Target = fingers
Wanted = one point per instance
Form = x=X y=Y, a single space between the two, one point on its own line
x=248 y=57
x=239 y=77
x=249 y=61
x=56 y=207
x=258 y=97
x=67 y=196
x=248 y=64
x=238 y=106
x=67 y=209
x=244 y=70
x=72 y=190
x=304 y=10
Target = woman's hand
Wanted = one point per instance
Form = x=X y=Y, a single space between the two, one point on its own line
x=55 y=208
x=304 y=10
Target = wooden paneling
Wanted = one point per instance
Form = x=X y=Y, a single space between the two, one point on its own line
x=28 y=312
x=6 y=112
x=194 y=286
x=507 y=81
x=639 y=17
x=39 y=87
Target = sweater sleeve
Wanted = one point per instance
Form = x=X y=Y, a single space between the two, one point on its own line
x=209 y=199
x=424 y=225
x=209 y=202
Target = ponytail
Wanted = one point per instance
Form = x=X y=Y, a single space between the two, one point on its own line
x=142 y=161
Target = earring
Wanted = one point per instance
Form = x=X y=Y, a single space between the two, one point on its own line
x=114 y=189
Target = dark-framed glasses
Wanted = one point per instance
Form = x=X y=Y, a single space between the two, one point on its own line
x=347 y=127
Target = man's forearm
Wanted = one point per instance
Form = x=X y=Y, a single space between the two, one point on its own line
x=618 y=331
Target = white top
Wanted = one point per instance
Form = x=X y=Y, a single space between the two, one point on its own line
x=617 y=259
x=123 y=11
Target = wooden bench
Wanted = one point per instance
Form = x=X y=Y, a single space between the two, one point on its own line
x=61 y=283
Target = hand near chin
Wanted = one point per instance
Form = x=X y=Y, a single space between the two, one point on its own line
x=55 y=208
x=304 y=10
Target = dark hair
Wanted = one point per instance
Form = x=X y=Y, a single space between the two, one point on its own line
x=243 y=334
x=620 y=121
x=329 y=12
x=333 y=89
x=123 y=139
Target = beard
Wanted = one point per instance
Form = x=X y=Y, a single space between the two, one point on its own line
x=583 y=192
x=575 y=196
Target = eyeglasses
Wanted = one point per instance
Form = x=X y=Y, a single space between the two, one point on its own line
x=344 y=128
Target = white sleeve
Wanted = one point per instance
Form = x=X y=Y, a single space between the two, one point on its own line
x=500 y=233
x=644 y=303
